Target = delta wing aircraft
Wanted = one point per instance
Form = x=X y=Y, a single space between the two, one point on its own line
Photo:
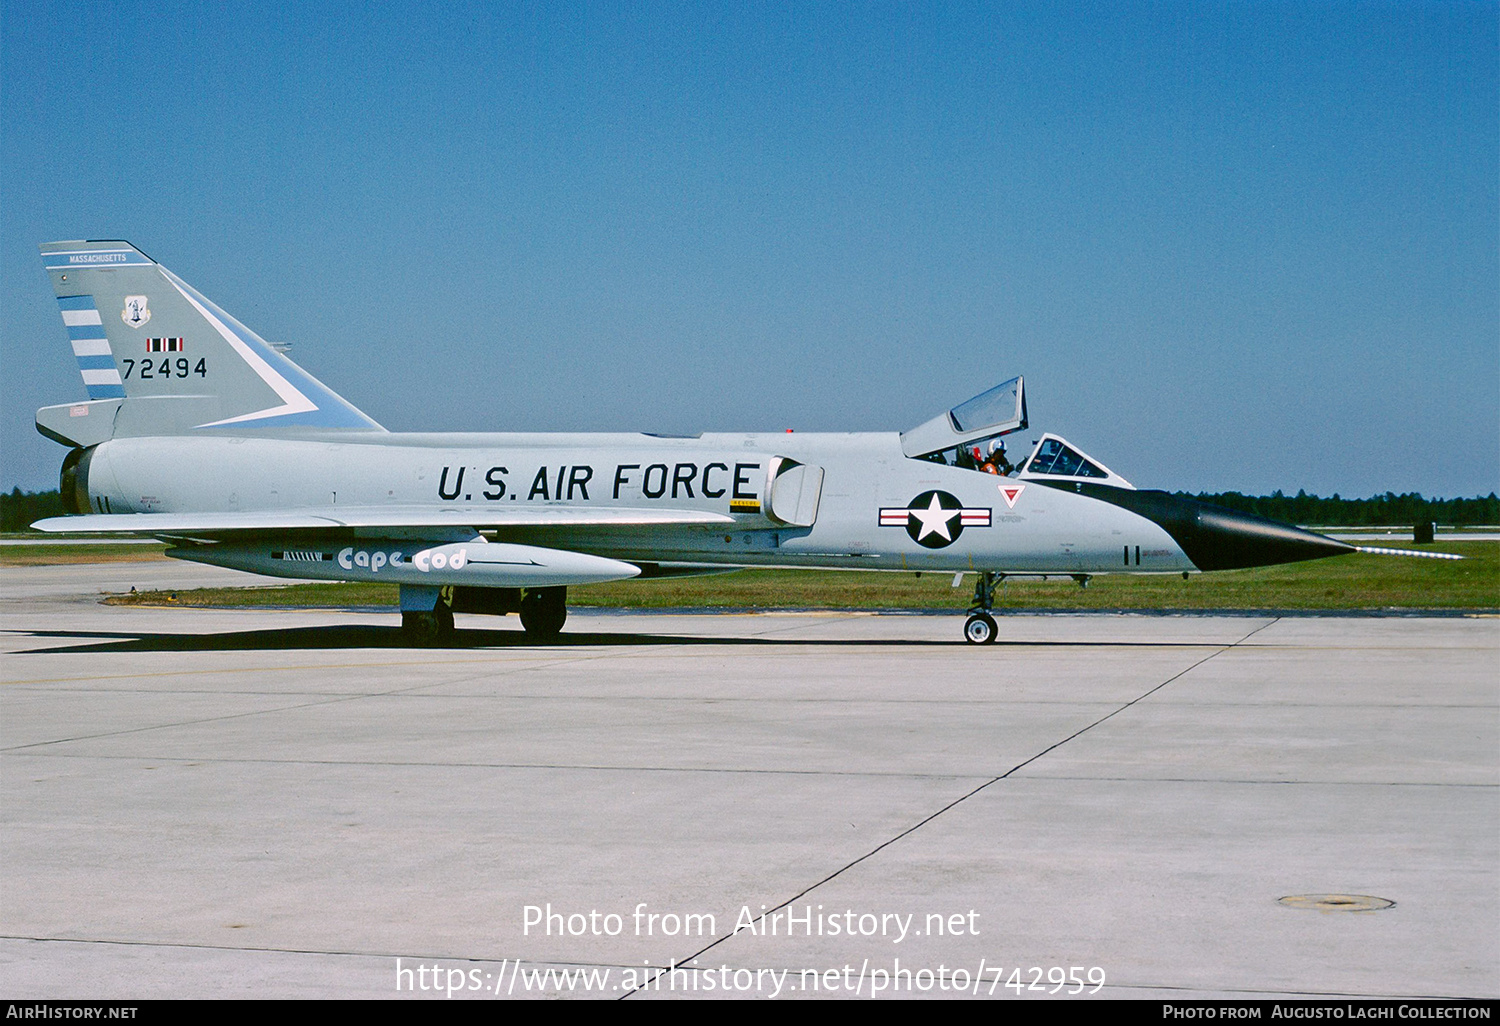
x=198 y=432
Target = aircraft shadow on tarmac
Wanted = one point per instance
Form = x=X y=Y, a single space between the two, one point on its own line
x=340 y=636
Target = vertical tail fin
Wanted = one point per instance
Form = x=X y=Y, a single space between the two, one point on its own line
x=175 y=361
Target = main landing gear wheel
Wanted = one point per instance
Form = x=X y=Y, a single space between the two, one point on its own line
x=980 y=629
x=544 y=611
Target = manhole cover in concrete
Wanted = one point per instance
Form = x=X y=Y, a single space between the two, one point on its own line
x=1336 y=902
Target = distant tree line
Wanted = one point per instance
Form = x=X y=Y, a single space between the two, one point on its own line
x=1388 y=510
x=19 y=509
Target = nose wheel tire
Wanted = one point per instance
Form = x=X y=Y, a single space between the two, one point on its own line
x=980 y=629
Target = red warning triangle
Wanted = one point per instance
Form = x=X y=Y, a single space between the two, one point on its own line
x=1011 y=492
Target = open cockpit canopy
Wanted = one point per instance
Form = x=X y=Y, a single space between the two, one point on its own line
x=969 y=435
x=988 y=415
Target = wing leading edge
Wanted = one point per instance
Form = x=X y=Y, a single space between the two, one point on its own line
x=372 y=517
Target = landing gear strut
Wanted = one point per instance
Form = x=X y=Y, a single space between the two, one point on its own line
x=979 y=628
x=427 y=628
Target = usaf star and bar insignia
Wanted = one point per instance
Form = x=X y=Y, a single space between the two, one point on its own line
x=935 y=519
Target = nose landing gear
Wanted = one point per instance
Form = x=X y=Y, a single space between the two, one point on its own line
x=979 y=628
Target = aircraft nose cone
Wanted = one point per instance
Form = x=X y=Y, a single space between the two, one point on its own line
x=1223 y=539
x=1215 y=538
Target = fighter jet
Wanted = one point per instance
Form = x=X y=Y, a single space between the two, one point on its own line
x=198 y=432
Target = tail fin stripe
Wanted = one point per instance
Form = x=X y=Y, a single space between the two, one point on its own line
x=101 y=379
x=292 y=400
x=96 y=361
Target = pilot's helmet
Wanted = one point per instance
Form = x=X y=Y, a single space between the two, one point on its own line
x=998 y=445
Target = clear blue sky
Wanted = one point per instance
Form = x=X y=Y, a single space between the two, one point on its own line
x=1231 y=246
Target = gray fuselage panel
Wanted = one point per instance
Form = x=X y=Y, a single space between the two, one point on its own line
x=878 y=509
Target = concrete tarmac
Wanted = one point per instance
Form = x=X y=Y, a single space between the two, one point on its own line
x=199 y=803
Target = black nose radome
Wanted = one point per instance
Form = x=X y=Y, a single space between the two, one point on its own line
x=1216 y=538
x=1223 y=539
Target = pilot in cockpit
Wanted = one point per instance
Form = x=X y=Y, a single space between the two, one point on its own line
x=998 y=463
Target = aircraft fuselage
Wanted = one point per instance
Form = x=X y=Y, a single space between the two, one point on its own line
x=868 y=515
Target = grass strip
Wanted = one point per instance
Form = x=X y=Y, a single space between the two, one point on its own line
x=65 y=553
x=1352 y=582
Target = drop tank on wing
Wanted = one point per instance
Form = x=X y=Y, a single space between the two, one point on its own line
x=395 y=561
